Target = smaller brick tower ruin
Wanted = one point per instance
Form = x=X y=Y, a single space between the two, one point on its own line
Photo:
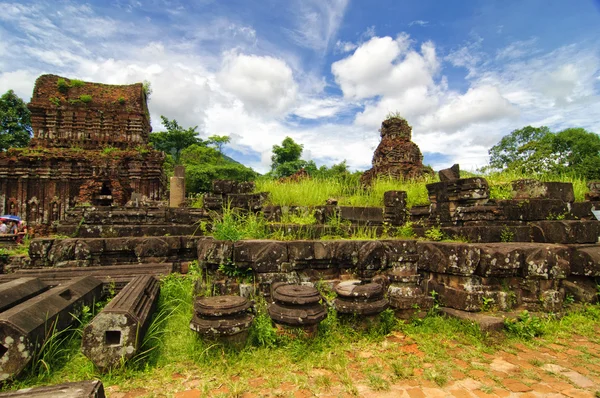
x=396 y=156
x=89 y=146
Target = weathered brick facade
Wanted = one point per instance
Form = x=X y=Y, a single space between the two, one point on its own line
x=89 y=147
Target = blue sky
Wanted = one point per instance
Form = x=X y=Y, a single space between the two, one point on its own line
x=326 y=72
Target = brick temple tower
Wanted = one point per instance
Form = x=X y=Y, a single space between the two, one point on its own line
x=89 y=146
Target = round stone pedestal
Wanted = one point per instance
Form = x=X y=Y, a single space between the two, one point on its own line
x=297 y=306
x=223 y=318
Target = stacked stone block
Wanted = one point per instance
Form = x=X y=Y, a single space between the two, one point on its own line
x=237 y=195
x=394 y=211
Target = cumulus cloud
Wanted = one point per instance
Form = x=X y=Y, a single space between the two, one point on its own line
x=264 y=84
x=477 y=105
x=384 y=66
x=218 y=75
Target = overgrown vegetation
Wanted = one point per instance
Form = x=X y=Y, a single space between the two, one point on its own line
x=348 y=192
x=171 y=348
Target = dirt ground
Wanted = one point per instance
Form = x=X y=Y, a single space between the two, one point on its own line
x=567 y=368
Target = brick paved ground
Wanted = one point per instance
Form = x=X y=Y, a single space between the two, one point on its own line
x=564 y=368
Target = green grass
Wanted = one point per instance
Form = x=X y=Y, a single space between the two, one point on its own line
x=170 y=347
x=315 y=191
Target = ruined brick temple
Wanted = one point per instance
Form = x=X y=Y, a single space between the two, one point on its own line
x=89 y=147
x=396 y=156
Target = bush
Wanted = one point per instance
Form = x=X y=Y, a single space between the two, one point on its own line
x=525 y=326
x=85 y=98
x=62 y=85
x=77 y=83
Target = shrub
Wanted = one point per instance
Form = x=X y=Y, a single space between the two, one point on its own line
x=525 y=326
x=62 y=85
x=85 y=98
x=77 y=83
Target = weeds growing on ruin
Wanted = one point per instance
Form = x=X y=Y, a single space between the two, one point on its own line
x=348 y=192
x=525 y=326
x=171 y=347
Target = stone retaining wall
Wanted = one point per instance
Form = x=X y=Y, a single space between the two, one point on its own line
x=466 y=276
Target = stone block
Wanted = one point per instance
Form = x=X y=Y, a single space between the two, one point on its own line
x=545 y=261
x=448 y=258
x=261 y=255
x=394 y=199
x=451 y=174
x=404 y=296
x=20 y=290
x=78 y=389
x=362 y=215
x=325 y=213
x=500 y=260
x=533 y=209
x=533 y=189
x=117 y=332
x=583 y=210
x=585 y=260
x=227 y=187
x=461 y=293
x=486 y=323
x=213 y=252
x=119 y=275
x=583 y=290
x=25 y=327
x=569 y=231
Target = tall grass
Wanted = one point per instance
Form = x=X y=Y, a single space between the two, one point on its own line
x=316 y=191
x=501 y=188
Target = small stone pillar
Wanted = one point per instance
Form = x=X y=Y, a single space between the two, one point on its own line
x=177 y=196
x=394 y=211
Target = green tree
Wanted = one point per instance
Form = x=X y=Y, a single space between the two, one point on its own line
x=15 y=122
x=517 y=148
x=538 y=150
x=204 y=164
x=286 y=158
x=175 y=139
x=219 y=141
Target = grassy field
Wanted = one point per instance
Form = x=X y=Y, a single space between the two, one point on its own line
x=314 y=192
x=172 y=351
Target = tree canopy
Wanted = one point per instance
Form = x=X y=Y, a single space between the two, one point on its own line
x=204 y=164
x=175 y=139
x=538 y=150
x=218 y=141
x=286 y=159
x=15 y=122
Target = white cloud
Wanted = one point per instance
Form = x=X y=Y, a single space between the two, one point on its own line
x=317 y=22
x=263 y=84
x=477 y=105
x=419 y=22
x=345 y=46
x=385 y=66
x=517 y=49
x=315 y=108
x=224 y=77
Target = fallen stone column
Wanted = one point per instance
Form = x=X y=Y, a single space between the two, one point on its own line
x=79 y=389
x=119 y=275
x=116 y=333
x=19 y=290
x=25 y=327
